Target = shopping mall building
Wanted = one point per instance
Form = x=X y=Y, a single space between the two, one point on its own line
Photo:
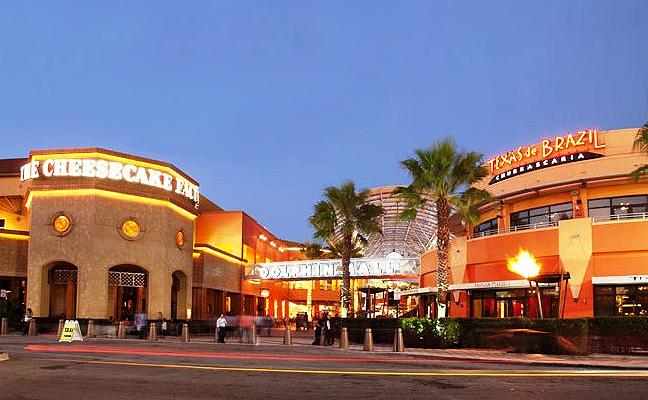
x=98 y=234
x=570 y=203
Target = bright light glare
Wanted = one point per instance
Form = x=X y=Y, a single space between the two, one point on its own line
x=523 y=264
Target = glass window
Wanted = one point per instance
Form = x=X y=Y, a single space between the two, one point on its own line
x=489 y=226
x=489 y=307
x=561 y=207
x=604 y=306
x=620 y=201
x=622 y=206
x=599 y=203
x=477 y=308
x=603 y=290
x=599 y=213
x=534 y=212
x=628 y=300
x=2 y=222
x=299 y=284
x=502 y=304
x=541 y=215
x=326 y=284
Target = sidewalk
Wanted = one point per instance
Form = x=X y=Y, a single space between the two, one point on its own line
x=599 y=361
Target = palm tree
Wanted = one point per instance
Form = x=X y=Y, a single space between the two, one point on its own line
x=344 y=219
x=312 y=250
x=641 y=143
x=445 y=175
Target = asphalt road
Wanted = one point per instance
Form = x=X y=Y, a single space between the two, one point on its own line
x=132 y=369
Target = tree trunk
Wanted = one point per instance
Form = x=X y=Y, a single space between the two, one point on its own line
x=443 y=255
x=345 y=290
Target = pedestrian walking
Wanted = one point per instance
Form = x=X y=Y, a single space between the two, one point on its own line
x=221 y=327
x=29 y=315
x=328 y=331
x=319 y=327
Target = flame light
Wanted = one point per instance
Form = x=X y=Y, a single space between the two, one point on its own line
x=523 y=264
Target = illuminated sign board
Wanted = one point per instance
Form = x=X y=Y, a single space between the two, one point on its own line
x=114 y=170
x=564 y=149
x=332 y=269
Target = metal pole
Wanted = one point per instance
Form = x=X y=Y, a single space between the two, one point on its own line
x=564 y=298
x=560 y=292
x=531 y=292
x=539 y=299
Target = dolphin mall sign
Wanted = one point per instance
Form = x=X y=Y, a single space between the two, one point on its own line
x=332 y=269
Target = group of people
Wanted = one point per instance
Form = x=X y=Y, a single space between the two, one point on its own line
x=324 y=329
x=324 y=334
x=243 y=324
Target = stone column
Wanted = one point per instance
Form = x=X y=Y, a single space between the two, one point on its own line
x=92 y=293
x=37 y=291
x=70 y=292
x=159 y=292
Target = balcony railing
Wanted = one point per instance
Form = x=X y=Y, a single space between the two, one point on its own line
x=620 y=217
x=516 y=228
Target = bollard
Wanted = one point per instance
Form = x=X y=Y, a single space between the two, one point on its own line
x=344 y=339
x=185 y=333
x=398 y=347
x=60 y=327
x=90 y=331
x=252 y=337
x=33 y=329
x=287 y=338
x=368 y=340
x=152 y=337
x=4 y=329
x=121 y=331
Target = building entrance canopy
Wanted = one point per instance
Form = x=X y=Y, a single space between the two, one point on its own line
x=332 y=269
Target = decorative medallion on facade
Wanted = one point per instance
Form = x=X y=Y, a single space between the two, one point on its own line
x=61 y=224
x=130 y=229
x=180 y=239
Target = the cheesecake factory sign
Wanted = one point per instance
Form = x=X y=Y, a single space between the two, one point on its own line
x=332 y=269
x=113 y=170
x=572 y=147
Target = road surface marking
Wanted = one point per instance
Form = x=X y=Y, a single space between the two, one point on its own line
x=463 y=373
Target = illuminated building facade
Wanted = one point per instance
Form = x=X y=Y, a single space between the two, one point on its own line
x=570 y=203
x=97 y=234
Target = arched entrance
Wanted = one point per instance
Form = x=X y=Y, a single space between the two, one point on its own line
x=178 y=295
x=127 y=291
x=62 y=282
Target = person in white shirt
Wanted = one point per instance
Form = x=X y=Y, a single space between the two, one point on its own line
x=221 y=326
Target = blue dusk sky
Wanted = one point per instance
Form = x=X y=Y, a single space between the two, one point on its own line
x=267 y=102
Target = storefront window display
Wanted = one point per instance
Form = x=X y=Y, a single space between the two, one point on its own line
x=627 y=300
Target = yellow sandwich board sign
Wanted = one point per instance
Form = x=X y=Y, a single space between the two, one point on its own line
x=71 y=331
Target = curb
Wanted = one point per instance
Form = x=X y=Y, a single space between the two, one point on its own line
x=417 y=354
x=566 y=364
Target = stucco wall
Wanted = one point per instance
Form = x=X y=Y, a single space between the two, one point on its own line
x=94 y=245
x=13 y=257
x=216 y=273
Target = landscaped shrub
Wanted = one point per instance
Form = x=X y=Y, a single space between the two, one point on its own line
x=555 y=336
x=618 y=334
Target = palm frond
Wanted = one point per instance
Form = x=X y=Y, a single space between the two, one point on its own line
x=638 y=173
x=641 y=141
